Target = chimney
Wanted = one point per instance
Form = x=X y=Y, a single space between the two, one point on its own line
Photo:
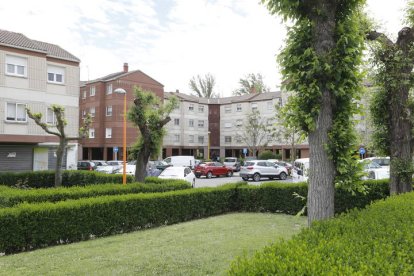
x=125 y=67
x=177 y=91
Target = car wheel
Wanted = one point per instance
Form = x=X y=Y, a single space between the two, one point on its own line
x=245 y=178
x=256 y=177
x=197 y=175
x=282 y=176
x=209 y=174
x=229 y=174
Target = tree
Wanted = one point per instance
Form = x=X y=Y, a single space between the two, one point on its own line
x=150 y=116
x=203 y=87
x=255 y=132
x=320 y=64
x=58 y=130
x=392 y=108
x=252 y=83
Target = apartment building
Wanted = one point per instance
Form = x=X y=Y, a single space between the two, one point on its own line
x=106 y=107
x=201 y=124
x=36 y=75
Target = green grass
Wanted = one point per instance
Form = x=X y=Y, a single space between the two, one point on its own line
x=200 y=247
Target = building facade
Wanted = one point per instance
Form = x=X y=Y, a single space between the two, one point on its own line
x=35 y=75
x=214 y=127
x=106 y=107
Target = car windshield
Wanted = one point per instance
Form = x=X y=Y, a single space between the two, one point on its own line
x=230 y=160
x=249 y=163
x=172 y=171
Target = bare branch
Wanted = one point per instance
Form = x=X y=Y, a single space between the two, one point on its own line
x=37 y=119
x=374 y=35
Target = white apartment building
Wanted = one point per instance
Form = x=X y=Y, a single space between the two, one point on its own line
x=36 y=75
x=201 y=124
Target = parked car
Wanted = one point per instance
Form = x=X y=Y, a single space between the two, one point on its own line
x=86 y=165
x=159 y=164
x=256 y=169
x=287 y=165
x=382 y=161
x=179 y=172
x=209 y=169
x=181 y=160
x=99 y=162
x=374 y=170
x=300 y=169
x=232 y=163
x=131 y=168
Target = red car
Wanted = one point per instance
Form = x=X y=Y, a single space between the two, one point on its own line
x=208 y=169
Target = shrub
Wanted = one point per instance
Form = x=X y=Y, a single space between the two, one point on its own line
x=377 y=240
x=12 y=196
x=267 y=154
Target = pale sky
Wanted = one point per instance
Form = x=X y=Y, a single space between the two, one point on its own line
x=170 y=40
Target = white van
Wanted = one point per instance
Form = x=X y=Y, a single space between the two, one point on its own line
x=181 y=160
x=300 y=170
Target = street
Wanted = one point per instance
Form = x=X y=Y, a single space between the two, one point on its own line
x=217 y=181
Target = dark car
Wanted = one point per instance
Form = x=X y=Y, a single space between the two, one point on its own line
x=161 y=165
x=208 y=169
x=86 y=165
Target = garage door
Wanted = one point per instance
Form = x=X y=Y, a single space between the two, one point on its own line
x=16 y=158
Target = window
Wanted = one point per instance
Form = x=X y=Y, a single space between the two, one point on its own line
x=50 y=116
x=239 y=108
x=280 y=101
x=91 y=133
x=16 y=112
x=238 y=139
x=109 y=110
x=227 y=109
x=176 y=122
x=191 y=139
x=227 y=125
x=191 y=123
x=55 y=74
x=176 y=137
x=227 y=139
x=84 y=94
x=109 y=89
x=201 y=108
x=108 y=133
x=201 y=139
x=254 y=106
x=92 y=111
x=92 y=91
x=83 y=113
x=200 y=123
x=191 y=107
x=239 y=122
x=16 y=66
x=269 y=138
x=269 y=105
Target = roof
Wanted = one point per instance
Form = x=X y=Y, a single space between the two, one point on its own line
x=226 y=100
x=20 y=41
x=115 y=76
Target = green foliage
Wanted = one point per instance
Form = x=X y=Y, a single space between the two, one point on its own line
x=203 y=87
x=29 y=226
x=374 y=241
x=267 y=154
x=252 y=83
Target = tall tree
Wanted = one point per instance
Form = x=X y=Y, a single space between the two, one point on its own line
x=203 y=87
x=320 y=64
x=150 y=116
x=255 y=132
x=58 y=129
x=392 y=108
x=252 y=83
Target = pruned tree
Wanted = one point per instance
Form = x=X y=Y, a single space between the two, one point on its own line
x=320 y=64
x=392 y=108
x=58 y=129
x=203 y=87
x=150 y=116
x=252 y=83
x=255 y=132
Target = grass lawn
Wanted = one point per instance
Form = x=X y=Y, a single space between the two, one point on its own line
x=200 y=247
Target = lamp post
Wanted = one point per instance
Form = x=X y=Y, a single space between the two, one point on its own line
x=122 y=91
x=208 y=145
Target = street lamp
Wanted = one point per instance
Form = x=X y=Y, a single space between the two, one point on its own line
x=122 y=91
x=208 y=146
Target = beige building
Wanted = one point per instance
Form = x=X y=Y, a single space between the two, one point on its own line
x=36 y=75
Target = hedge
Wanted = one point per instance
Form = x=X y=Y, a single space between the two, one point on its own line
x=12 y=196
x=46 y=179
x=30 y=226
x=378 y=240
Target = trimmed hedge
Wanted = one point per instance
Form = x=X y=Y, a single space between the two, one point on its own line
x=378 y=240
x=46 y=179
x=12 y=196
x=31 y=226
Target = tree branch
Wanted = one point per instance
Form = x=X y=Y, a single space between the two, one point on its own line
x=37 y=118
x=374 y=35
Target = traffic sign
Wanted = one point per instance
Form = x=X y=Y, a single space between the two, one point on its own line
x=116 y=149
x=244 y=151
x=361 y=151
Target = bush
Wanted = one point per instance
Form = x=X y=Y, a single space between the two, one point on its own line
x=267 y=154
x=375 y=241
x=12 y=196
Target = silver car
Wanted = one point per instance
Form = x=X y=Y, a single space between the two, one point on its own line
x=232 y=163
x=256 y=169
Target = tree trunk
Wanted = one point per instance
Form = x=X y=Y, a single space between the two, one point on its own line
x=141 y=164
x=321 y=189
x=59 y=161
x=400 y=148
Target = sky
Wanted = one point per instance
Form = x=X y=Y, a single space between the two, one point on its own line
x=170 y=40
